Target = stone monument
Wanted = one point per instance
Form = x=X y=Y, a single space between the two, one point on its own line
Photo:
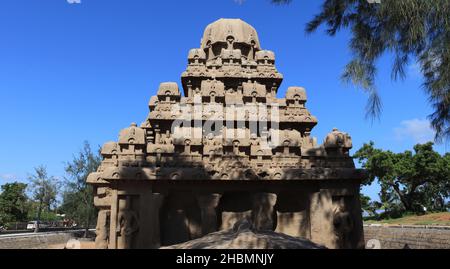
x=226 y=150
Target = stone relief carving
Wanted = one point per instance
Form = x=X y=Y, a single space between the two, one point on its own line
x=128 y=223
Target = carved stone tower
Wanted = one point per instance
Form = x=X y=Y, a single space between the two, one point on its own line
x=225 y=150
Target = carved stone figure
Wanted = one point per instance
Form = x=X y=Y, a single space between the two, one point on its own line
x=102 y=229
x=168 y=139
x=128 y=224
x=263 y=211
x=343 y=226
x=338 y=141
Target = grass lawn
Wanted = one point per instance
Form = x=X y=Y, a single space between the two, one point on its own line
x=428 y=219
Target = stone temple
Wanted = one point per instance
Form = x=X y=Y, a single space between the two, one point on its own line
x=223 y=150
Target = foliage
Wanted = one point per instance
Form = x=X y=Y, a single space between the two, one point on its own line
x=45 y=215
x=369 y=206
x=13 y=203
x=44 y=189
x=409 y=182
x=412 y=30
x=78 y=203
x=441 y=218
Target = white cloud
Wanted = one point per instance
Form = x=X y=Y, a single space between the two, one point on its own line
x=414 y=70
x=8 y=177
x=418 y=130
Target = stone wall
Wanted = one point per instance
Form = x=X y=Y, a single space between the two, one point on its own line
x=36 y=241
x=413 y=237
x=389 y=237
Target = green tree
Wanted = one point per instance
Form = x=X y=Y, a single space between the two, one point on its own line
x=45 y=214
x=78 y=200
x=13 y=203
x=369 y=206
x=411 y=30
x=44 y=189
x=409 y=182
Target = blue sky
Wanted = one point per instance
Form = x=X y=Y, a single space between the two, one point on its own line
x=75 y=72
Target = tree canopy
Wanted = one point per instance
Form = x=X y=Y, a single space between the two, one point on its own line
x=78 y=200
x=412 y=30
x=409 y=181
x=44 y=189
x=13 y=203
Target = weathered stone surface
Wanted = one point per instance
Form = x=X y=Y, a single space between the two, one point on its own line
x=412 y=237
x=224 y=148
x=39 y=240
x=244 y=236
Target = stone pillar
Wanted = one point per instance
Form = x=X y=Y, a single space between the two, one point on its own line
x=358 y=230
x=236 y=148
x=113 y=225
x=263 y=211
x=321 y=210
x=273 y=91
x=343 y=226
x=190 y=92
x=127 y=223
x=102 y=229
x=157 y=134
x=208 y=204
x=149 y=237
x=336 y=220
x=187 y=147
